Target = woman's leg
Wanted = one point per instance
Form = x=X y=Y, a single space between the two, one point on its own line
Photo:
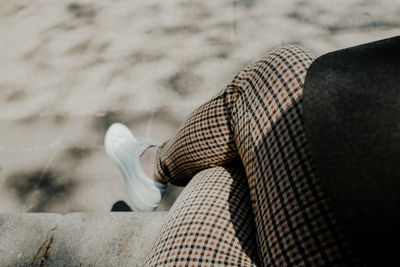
x=258 y=120
x=210 y=224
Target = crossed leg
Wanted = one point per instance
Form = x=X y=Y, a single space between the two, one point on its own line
x=256 y=121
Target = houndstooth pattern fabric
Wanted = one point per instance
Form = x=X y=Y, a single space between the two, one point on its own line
x=257 y=119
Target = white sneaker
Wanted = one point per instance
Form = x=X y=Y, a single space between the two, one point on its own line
x=124 y=149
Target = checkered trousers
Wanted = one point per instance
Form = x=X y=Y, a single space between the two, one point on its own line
x=210 y=224
x=257 y=120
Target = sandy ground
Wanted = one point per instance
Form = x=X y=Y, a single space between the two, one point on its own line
x=70 y=69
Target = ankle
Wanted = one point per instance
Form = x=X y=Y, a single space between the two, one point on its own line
x=148 y=162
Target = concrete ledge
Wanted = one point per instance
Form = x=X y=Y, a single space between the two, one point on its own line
x=78 y=239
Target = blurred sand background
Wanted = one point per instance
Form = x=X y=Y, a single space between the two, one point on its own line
x=70 y=69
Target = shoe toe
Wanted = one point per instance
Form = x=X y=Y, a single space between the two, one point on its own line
x=116 y=134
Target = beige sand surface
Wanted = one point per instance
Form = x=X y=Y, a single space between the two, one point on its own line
x=70 y=69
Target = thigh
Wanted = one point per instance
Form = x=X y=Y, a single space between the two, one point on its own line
x=210 y=224
x=294 y=220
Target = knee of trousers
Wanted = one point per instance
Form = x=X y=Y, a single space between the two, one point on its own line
x=281 y=70
x=269 y=89
x=210 y=217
